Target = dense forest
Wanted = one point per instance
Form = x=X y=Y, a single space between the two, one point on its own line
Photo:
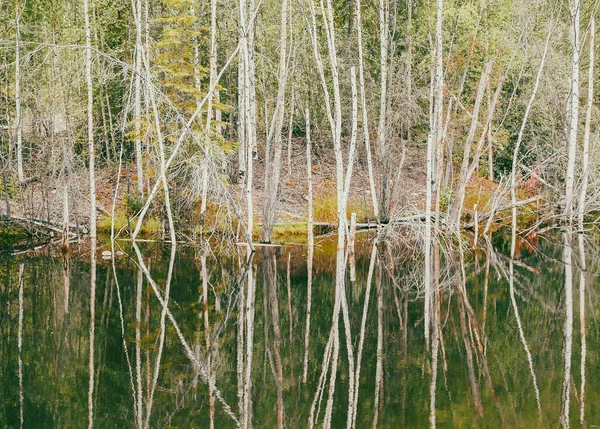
x=191 y=117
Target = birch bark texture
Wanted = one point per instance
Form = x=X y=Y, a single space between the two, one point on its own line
x=364 y=111
x=573 y=107
x=435 y=135
x=273 y=167
x=90 y=117
x=137 y=106
x=18 y=94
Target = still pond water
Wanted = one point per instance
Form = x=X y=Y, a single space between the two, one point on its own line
x=252 y=344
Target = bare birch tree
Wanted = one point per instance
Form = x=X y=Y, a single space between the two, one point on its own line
x=137 y=106
x=363 y=103
x=382 y=144
x=90 y=117
x=433 y=141
x=587 y=130
x=273 y=167
x=209 y=106
x=309 y=194
x=466 y=162
x=18 y=93
x=573 y=106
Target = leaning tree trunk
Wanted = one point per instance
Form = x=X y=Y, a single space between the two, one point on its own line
x=462 y=184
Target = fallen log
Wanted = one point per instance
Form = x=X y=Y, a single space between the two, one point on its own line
x=521 y=203
x=52 y=226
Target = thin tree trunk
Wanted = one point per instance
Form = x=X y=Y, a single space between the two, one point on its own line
x=290 y=135
x=209 y=108
x=18 y=94
x=568 y=328
x=586 y=133
x=515 y=159
x=351 y=249
x=20 y=344
x=382 y=145
x=580 y=219
x=163 y=163
x=105 y=132
x=242 y=90
x=573 y=112
x=353 y=136
x=65 y=228
x=273 y=168
x=248 y=123
x=311 y=240
x=137 y=106
x=433 y=141
x=91 y=367
x=111 y=127
x=466 y=162
x=6 y=194
x=90 y=118
x=365 y=119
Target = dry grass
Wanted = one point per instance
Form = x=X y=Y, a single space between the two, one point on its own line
x=325 y=206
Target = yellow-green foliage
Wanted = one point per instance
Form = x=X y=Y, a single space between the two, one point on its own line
x=479 y=191
x=150 y=228
x=12 y=185
x=325 y=206
x=290 y=229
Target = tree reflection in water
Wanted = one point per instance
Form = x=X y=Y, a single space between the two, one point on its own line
x=184 y=343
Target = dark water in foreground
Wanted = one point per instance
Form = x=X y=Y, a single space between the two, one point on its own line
x=236 y=347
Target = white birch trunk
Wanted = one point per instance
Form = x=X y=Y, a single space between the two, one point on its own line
x=580 y=220
x=65 y=227
x=573 y=110
x=567 y=329
x=290 y=135
x=163 y=164
x=209 y=105
x=311 y=240
x=466 y=162
x=434 y=137
x=515 y=160
x=365 y=119
x=137 y=108
x=252 y=128
x=242 y=91
x=18 y=96
x=382 y=152
x=175 y=150
x=90 y=118
x=273 y=168
x=353 y=136
x=586 y=133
